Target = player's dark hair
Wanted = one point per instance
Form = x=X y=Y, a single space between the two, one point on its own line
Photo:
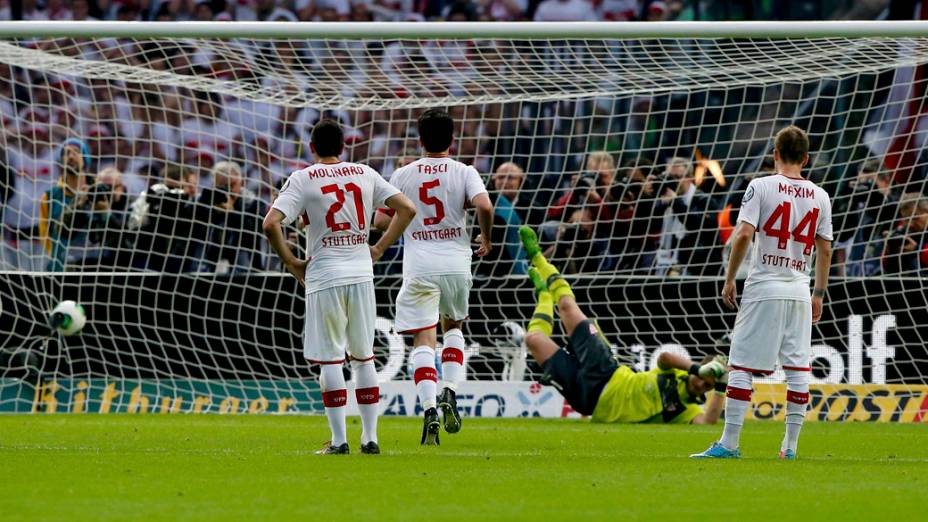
x=793 y=145
x=436 y=130
x=327 y=138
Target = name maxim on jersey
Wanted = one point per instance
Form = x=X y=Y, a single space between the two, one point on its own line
x=796 y=192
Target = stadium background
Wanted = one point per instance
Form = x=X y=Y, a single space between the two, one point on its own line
x=227 y=324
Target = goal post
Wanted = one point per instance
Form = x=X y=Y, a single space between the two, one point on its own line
x=627 y=146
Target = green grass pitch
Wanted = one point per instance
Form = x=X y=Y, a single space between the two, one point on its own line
x=112 y=467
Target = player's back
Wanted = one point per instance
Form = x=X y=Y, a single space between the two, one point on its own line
x=437 y=240
x=338 y=199
x=788 y=214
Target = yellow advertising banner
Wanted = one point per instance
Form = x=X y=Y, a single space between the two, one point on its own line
x=847 y=402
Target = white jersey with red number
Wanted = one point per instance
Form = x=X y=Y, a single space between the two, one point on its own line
x=339 y=199
x=437 y=241
x=788 y=214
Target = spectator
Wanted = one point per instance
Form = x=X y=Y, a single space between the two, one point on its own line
x=906 y=250
x=503 y=10
x=589 y=188
x=56 y=234
x=575 y=248
x=864 y=209
x=565 y=11
x=689 y=236
x=162 y=218
x=114 y=248
x=510 y=259
x=618 y=10
x=229 y=221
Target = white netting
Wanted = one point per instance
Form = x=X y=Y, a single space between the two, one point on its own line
x=576 y=137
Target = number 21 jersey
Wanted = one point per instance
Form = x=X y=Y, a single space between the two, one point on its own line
x=338 y=199
x=788 y=214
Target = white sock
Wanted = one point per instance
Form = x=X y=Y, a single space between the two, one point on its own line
x=452 y=359
x=367 y=392
x=797 y=399
x=737 y=402
x=423 y=363
x=334 y=398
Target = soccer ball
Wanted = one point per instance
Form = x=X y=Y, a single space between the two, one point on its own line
x=68 y=318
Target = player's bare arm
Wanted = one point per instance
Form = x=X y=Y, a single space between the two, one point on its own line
x=381 y=220
x=485 y=218
x=740 y=243
x=275 y=236
x=822 y=266
x=404 y=212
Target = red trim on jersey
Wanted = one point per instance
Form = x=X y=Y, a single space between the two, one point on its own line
x=388 y=211
x=425 y=374
x=305 y=218
x=752 y=370
x=417 y=330
x=368 y=395
x=371 y=358
x=450 y=354
x=797 y=397
x=311 y=361
x=738 y=394
x=797 y=368
x=335 y=398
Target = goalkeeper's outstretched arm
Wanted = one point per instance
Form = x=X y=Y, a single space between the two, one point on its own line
x=703 y=378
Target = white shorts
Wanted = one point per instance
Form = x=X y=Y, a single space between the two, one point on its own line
x=769 y=330
x=422 y=299
x=340 y=320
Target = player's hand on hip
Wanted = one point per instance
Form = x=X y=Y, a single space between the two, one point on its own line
x=298 y=270
x=817 y=305
x=376 y=252
x=730 y=295
x=484 y=248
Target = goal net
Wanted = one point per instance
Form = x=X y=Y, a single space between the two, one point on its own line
x=629 y=156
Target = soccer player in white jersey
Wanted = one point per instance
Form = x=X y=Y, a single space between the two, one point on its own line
x=436 y=265
x=339 y=198
x=791 y=217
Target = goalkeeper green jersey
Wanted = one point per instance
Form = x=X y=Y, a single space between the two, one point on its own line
x=653 y=396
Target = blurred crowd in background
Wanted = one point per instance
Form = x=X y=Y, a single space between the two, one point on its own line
x=104 y=174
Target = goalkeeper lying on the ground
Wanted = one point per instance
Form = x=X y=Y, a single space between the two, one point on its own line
x=588 y=376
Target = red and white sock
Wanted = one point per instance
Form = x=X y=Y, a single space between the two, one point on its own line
x=737 y=402
x=452 y=359
x=797 y=400
x=334 y=398
x=425 y=375
x=367 y=392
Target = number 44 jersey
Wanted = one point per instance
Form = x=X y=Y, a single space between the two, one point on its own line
x=788 y=214
x=338 y=199
x=437 y=241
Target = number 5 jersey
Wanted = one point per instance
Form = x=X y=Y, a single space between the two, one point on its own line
x=437 y=241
